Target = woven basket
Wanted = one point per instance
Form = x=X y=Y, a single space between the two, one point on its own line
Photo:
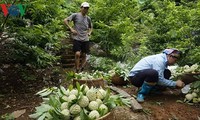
x=189 y=77
x=107 y=116
x=90 y=82
x=117 y=80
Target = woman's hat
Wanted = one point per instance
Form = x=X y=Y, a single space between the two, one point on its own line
x=173 y=51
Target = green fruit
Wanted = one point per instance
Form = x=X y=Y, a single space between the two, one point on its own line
x=196 y=90
x=66 y=113
x=189 y=96
x=64 y=106
x=65 y=98
x=199 y=99
x=194 y=94
x=195 y=100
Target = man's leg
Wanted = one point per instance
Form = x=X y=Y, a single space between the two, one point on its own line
x=83 y=62
x=77 y=49
x=85 y=49
x=77 y=61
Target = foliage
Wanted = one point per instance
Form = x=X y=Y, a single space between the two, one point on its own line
x=146 y=27
x=110 y=67
x=36 y=36
x=121 y=69
x=110 y=27
x=101 y=63
x=127 y=30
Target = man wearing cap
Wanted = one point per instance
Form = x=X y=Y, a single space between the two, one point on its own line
x=152 y=71
x=81 y=31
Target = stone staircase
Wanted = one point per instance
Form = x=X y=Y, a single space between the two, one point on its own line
x=67 y=54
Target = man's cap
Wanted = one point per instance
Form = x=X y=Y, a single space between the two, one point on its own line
x=172 y=51
x=85 y=4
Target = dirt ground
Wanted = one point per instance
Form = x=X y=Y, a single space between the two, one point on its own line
x=19 y=95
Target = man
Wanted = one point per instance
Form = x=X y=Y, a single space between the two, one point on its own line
x=81 y=31
x=152 y=70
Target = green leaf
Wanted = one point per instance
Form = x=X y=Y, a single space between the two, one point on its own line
x=48 y=116
x=42 y=117
x=70 y=87
x=83 y=88
x=54 y=101
x=70 y=75
x=43 y=108
x=38 y=93
x=54 y=115
x=78 y=87
x=195 y=84
x=141 y=1
x=107 y=95
x=102 y=111
x=197 y=76
x=63 y=90
x=83 y=115
x=36 y=115
x=46 y=100
x=126 y=101
x=46 y=93
x=179 y=101
x=59 y=93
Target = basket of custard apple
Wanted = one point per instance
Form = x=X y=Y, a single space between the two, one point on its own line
x=77 y=103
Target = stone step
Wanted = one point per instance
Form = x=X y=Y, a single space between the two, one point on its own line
x=67 y=57
x=71 y=65
x=67 y=61
x=67 y=54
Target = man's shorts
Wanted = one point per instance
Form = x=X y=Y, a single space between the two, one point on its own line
x=82 y=46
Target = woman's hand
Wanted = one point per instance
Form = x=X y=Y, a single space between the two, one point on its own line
x=180 y=83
